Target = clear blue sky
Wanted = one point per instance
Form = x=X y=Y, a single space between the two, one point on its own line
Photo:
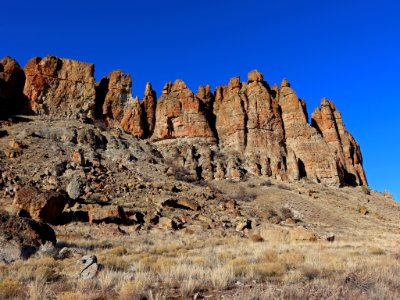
x=348 y=51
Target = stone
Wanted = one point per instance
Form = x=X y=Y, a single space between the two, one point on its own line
x=22 y=237
x=46 y=206
x=88 y=267
x=189 y=204
x=62 y=88
x=74 y=189
x=167 y=223
x=107 y=214
x=12 y=80
x=302 y=234
x=78 y=157
x=242 y=225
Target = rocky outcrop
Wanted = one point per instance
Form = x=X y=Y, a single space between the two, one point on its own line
x=22 y=237
x=242 y=128
x=328 y=121
x=119 y=92
x=120 y=109
x=311 y=153
x=179 y=113
x=12 y=80
x=62 y=88
x=248 y=122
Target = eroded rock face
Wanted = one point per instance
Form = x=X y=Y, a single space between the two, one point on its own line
x=328 y=121
x=62 y=88
x=22 y=237
x=179 y=114
x=120 y=109
x=313 y=156
x=248 y=122
x=119 y=92
x=12 y=80
x=242 y=128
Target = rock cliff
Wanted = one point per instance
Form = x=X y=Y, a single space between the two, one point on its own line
x=62 y=88
x=243 y=128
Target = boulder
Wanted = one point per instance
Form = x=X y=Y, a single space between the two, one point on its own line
x=107 y=214
x=22 y=237
x=43 y=206
x=62 y=88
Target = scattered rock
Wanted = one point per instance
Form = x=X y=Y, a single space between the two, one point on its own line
x=245 y=224
x=107 y=214
x=167 y=223
x=74 y=188
x=88 y=267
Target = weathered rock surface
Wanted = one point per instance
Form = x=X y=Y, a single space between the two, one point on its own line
x=311 y=153
x=179 y=113
x=328 y=121
x=41 y=206
x=62 y=88
x=12 y=80
x=22 y=237
x=119 y=92
x=243 y=128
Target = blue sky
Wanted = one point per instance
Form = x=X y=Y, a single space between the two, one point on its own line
x=347 y=51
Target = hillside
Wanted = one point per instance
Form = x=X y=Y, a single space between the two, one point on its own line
x=230 y=194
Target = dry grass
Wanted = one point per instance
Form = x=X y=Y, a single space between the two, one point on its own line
x=362 y=263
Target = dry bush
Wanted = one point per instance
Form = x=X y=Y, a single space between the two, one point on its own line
x=10 y=288
x=222 y=276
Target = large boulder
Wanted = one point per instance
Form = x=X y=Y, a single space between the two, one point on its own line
x=62 y=88
x=45 y=206
x=12 y=80
x=22 y=237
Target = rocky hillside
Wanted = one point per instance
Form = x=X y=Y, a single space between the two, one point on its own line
x=240 y=129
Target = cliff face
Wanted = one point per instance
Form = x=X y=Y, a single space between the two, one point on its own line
x=242 y=128
x=62 y=88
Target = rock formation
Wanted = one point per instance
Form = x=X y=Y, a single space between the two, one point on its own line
x=180 y=114
x=62 y=88
x=328 y=121
x=242 y=128
x=12 y=80
x=314 y=158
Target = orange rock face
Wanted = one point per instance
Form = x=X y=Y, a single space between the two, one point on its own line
x=312 y=154
x=12 y=80
x=248 y=122
x=328 y=121
x=179 y=113
x=242 y=128
x=118 y=94
x=60 y=87
x=120 y=109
